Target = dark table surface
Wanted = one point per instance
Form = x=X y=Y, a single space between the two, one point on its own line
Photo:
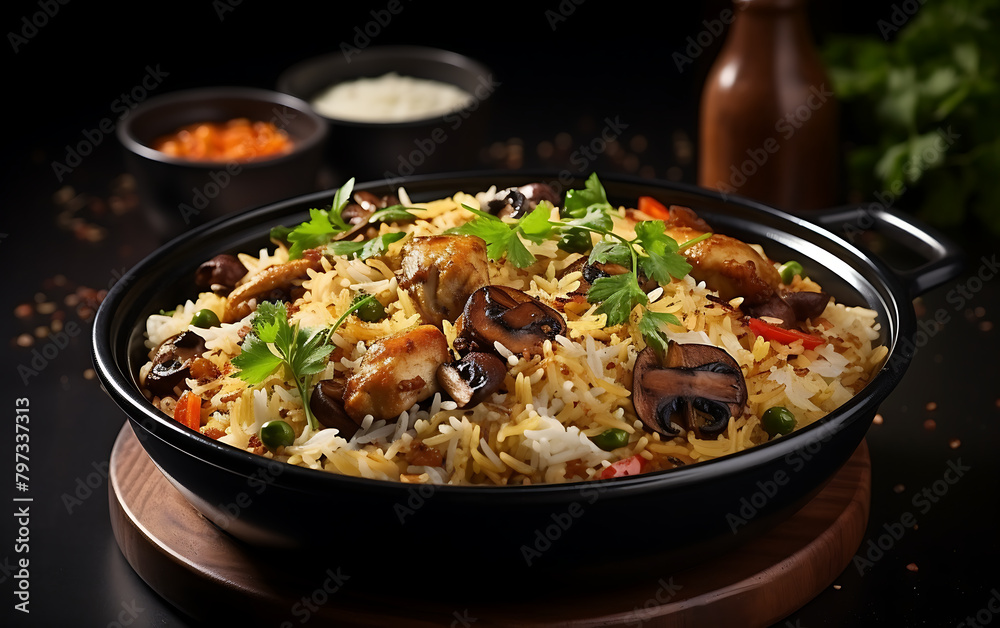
x=64 y=242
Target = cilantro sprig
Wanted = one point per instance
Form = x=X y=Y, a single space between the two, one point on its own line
x=324 y=225
x=651 y=252
x=367 y=248
x=273 y=343
x=505 y=238
x=321 y=227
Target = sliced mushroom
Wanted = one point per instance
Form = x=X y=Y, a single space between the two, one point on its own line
x=441 y=272
x=396 y=373
x=273 y=283
x=790 y=307
x=472 y=379
x=358 y=213
x=172 y=363
x=327 y=405
x=515 y=319
x=220 y=274
x=698 y=387
x=516 y=202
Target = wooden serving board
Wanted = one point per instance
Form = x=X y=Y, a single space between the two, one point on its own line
x=212 y=577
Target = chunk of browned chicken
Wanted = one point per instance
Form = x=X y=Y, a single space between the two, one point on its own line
x=729 y=266
x=396 y=373
x=733 y=268
x=441 y=272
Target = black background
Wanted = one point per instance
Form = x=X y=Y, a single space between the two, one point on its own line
x=605 y=59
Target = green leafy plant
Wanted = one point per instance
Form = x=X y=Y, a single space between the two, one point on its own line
x=273 y=343
x=920 y=103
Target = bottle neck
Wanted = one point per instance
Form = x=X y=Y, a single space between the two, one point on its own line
x=761 y=24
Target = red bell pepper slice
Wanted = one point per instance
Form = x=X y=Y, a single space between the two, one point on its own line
x=653 y=208
x=188 y=410
x=782 y=335
x=623 y=467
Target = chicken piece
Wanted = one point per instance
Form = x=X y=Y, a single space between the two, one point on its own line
x=735 y=269
x=441 y=272
x=395 y=373
x=729 y=266
x=272 y=283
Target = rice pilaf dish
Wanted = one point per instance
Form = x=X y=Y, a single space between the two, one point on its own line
x=504 y=337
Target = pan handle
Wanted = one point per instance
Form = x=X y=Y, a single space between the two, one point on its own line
x=944 y=259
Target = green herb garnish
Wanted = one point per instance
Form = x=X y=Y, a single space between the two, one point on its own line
x=504 y=238
x=273 y=343
x=652 y=252
x=393 y=213
x=591 y=197
x=365 y=249
x=321 y=227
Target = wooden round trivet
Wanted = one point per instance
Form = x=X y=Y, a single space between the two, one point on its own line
x=212 y=577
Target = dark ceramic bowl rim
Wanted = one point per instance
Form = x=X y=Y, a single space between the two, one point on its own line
x=427 y=53
x=118 y=381
x=205 y=95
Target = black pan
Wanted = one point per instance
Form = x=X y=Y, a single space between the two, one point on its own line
x=577 y=531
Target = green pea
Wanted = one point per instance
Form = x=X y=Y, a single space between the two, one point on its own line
x=611 y=439
x=276 y=434
x=371 y=311
x=205 y=319
x=788 y=270
x=778 y=420
x=576 y=241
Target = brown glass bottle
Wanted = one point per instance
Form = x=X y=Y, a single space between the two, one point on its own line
x=768 y=118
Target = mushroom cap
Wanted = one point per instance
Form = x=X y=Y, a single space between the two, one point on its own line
x=472 y=379
x=699 y=387
x=327 y=405
x=515 y=319
x=172 y=362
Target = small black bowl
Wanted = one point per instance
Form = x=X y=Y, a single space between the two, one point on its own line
x=178 y=193
x=391 y=150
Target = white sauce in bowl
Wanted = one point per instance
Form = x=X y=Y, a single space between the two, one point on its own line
x=390 y=98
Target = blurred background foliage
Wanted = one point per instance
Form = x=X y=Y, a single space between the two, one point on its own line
x=921 y=110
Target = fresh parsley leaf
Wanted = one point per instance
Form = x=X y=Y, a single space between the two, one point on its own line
x=517 y=253
x=367 y=248
x=611 y=251
x=504 y=238
x=491 y=229
x=311 y=351
x=578 y=202
x=661 y=268
x=535 y=226
x=273 y=343
x=321 y=227
x=340 y=200
x=256 y=361
x=618 y=295
x=651 y=327
x=393 y=213
x=317 y=231
x=594 y=217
